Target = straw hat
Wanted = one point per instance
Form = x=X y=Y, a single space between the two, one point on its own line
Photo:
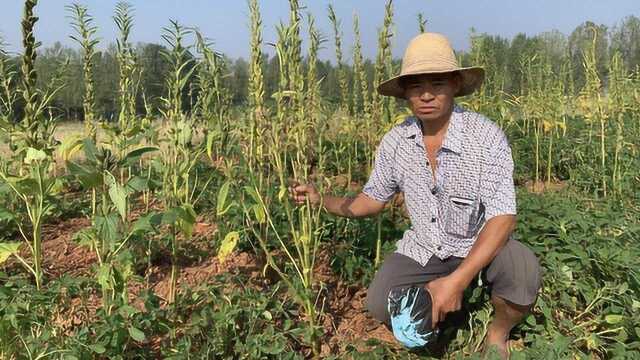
x=431 y=53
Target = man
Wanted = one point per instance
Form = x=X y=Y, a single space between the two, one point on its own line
x=456 y=172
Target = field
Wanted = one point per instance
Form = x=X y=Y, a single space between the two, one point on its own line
x=170 y=233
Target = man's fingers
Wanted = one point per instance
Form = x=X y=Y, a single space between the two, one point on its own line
x=435 y=309
x=435 y=313
x=435 y=318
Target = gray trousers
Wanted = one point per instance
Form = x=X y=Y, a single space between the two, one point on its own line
x=513 y=275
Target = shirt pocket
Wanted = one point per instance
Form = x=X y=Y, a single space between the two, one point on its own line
x=464 y=215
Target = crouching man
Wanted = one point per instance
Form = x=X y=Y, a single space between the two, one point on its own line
x=456 y=172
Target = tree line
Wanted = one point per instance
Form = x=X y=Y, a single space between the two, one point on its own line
x=503 y=56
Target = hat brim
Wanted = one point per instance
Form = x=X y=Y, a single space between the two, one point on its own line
x=472 y=78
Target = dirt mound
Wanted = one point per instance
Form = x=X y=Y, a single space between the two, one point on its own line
x=345 y=319
x=538 y=187
x=62 y=255
x=203 y=273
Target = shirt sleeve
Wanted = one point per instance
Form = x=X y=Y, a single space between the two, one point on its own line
x=498 y=193
x=382 y=183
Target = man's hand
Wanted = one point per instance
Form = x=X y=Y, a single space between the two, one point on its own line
x=446 y=296
x=351 y=207
x=299 y=194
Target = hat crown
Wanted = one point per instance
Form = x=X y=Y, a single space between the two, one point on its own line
x=429 y=52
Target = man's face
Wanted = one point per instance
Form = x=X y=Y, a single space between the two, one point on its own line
x=430 y=96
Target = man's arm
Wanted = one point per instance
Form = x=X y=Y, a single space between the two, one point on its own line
x=447 y=291
x=491 y=239
x=351 y=207
x=378 y=190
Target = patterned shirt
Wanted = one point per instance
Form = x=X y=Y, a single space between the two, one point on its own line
x=474 y=182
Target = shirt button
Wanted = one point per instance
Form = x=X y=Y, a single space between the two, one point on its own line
x=434 y=191
x=433 y=219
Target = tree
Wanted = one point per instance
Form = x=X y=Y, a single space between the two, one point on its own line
x=580 y=40
x=155 y=69
x=625 y=38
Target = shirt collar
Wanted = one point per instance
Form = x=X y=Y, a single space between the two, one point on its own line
x=453 y=137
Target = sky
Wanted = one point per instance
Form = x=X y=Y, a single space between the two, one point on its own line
x=226 y=22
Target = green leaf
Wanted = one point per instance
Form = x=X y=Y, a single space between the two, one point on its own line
x=613 y=319
x=211 y=136
x=90 y=150
x=253 y=193
x=184 y=217
x=221 y=207
x=136 y=334
x=228 y=245
x=146 y=223
x=187 y=220
x=170 y=216
x=258 y=211
x=6 y=215
x=86 y=237
x=131 y=157
x=282 y=193
x=137 y=184
x=87 y=177
x=117 y=194
x=97 y=348
x=25 y=186
x=34 y=155
x=69 y=146
x=107 y=227
x=8 y=249
x=103 y=275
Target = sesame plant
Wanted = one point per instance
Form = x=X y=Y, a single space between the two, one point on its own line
x=360 y=89
x=83 y=24
x=593 y=107
x=422 y=23
x=214 y=101
x=179 y=153
x=382 y=109
x=111 y=170
x=342 y=68
x=29 y=173
x=299 y=238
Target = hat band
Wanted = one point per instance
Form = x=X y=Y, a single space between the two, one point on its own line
x=433 y=58
x=430 y=65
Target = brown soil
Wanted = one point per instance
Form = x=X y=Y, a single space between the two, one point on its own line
x=538 y=187
x=345 y=320
x=63 y=254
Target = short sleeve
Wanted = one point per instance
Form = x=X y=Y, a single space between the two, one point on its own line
x=498 y=193
x=382 y=183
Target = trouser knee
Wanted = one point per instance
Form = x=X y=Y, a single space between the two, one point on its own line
x=377 y=305
x=515 y=274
